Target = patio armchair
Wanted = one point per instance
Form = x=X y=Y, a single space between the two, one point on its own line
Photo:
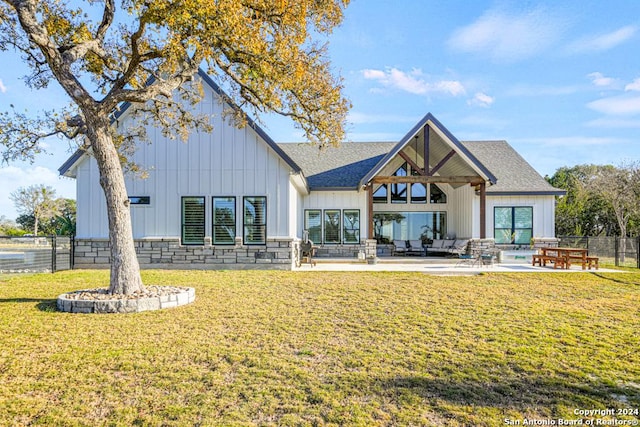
x=485 y=256
x=307 y=252
x=459 y=247
x=466 y=259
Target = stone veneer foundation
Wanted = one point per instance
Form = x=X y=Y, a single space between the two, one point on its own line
x=170 y=254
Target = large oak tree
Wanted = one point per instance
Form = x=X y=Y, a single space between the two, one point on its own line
x=142 y=52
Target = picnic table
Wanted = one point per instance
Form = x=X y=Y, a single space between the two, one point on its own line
x=563 y=257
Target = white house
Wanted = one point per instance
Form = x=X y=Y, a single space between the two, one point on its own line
x=234 y=198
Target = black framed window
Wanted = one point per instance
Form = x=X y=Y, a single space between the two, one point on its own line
x=351 y=226
x=513 y=224
x=255 y=220
x=399 y=191
x=436 y=195
x=380 y=194
x=418 y=193
x=224 y=220
x=389 y=226
x=332 y=226
x=313 y=224
x=139 y=200
x=193 y=216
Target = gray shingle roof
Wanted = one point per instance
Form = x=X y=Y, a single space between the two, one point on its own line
x=515 y=175
x=342 y=168
x=339 y=168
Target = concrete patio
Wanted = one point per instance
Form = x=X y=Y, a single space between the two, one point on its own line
x=438 y=266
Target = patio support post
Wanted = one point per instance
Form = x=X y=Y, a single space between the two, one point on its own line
x=370 y=210
x=426 y=151
x=483 y=211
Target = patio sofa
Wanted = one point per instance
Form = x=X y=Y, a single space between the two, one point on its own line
x=402 y=247
x=399 y=247
x=448 y=246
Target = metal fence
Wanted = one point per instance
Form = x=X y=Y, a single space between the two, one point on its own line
x=35 y=254
x=621 y=251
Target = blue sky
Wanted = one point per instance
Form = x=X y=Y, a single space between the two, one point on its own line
x=560 y=81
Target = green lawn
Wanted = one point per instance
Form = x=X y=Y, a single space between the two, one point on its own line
x=319 y=348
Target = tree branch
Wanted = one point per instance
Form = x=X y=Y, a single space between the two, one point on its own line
x=37 y=33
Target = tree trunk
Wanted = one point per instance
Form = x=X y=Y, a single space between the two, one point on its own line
x=125 y=269
x=622 y=242
x=35 y=225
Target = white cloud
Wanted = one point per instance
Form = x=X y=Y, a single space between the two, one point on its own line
x=604 y=42
x=617 y=105
x=374 y=74
x=481 y=100
x=13 y=177
x=614 y=123
x=414 y=82
x=599 y=79
x=3 y=88
x=508 y=37
x=633 y=86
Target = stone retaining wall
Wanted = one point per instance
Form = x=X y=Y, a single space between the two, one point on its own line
x=69 y=304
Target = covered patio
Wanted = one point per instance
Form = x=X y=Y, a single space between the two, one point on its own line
x=416 y=183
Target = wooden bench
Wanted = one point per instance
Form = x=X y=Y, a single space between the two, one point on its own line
x=561 y=262
x=536 y=260
x=542 y=260
x=592 y=261
x=578 y=260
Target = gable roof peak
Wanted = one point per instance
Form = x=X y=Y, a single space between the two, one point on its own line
x=68 y=167
x=430 y=121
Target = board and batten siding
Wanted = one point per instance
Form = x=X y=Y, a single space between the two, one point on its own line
x=461 y=214
x=226 y=162
x=465 y=205
x=543 y=212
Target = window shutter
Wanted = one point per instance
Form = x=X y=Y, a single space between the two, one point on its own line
x=193 y=220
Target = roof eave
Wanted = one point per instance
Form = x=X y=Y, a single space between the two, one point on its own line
x=335 y=188
x=68 y=167
x=527 y=193
x=300 y=182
